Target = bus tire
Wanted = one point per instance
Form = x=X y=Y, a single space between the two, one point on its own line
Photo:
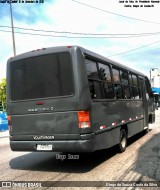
x=122 y=141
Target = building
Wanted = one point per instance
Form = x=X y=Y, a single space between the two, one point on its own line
x=155 y=84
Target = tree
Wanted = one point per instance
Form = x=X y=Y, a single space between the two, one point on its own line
x=3 y=93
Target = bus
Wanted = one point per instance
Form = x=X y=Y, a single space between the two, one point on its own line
x=70 y=99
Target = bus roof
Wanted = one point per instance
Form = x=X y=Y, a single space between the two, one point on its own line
x=95 y=55
x=57 y=49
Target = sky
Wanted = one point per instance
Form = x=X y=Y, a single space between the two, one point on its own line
x=128 y=35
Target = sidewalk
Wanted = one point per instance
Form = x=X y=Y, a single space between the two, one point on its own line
x=4 y=134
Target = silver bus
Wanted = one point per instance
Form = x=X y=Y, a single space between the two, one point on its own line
x=69 y=99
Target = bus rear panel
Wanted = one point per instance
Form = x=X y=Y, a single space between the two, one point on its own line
x=44 y=107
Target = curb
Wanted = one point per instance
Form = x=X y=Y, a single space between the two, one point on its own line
x=4 y=137
x=4 y=134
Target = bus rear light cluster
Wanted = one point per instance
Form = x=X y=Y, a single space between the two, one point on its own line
x=39 y=103
x=103 y=127
x=123 y=121
x=114 y=124
x=83 y=119
x=9 y=122
x=39 y=49
x=130 y=119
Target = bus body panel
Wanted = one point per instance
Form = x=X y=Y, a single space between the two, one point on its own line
x=42 y=105
x=54 y=120
x=108 y=117
x=45 y=124
x=135 y=127
x=107 y=138
x=55 y=117
x=57 y=146
x=113 y=113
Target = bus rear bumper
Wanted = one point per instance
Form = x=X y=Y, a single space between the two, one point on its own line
x=57 y=146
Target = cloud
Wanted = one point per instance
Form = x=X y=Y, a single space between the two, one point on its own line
x=67 y=15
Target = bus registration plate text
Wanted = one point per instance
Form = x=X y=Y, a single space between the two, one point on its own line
x=44 y=147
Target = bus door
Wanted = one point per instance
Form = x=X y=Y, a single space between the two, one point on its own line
x=145 y=98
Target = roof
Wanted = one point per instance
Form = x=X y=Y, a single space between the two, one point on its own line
x=63 y=48
x=88 y=52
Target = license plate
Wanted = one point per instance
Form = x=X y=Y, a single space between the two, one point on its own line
x=44 y=147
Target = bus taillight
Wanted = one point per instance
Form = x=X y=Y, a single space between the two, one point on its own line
x=9 y=122
x=83 y=119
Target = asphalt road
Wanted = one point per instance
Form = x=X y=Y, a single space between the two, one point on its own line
x=140 y=162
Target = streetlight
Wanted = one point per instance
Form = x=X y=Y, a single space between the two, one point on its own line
x=14 y=47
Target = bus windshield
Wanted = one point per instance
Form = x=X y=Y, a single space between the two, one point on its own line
x=41 y=77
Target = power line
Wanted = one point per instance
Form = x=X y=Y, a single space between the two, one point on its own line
x=78 y=37
x=92 y=34
x=134 y=49
x=87 y=37
x=137 y=19
x=97 y=34
x=84 y=37
x=35 y=34
x=139 y=52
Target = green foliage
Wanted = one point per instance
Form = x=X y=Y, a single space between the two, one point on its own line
x=3 y=94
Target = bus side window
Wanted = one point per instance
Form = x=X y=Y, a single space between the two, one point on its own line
x=92 y=91
x=116 y=77
x=117 y=84
x=108 y=92
x=135 y=87
x=94 y=84
x=95 y=90
x=125 y=84
x=118 y=90
x=104 y=71
x=126 y=91
x=135 y=90
x=97 y=87
x=92 y=71
x=106 y=83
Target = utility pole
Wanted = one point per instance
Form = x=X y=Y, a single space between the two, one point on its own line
x=14 y=47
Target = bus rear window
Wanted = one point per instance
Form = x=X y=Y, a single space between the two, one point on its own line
x=41 y=77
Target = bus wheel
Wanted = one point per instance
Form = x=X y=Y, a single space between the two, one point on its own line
x=123 y=141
